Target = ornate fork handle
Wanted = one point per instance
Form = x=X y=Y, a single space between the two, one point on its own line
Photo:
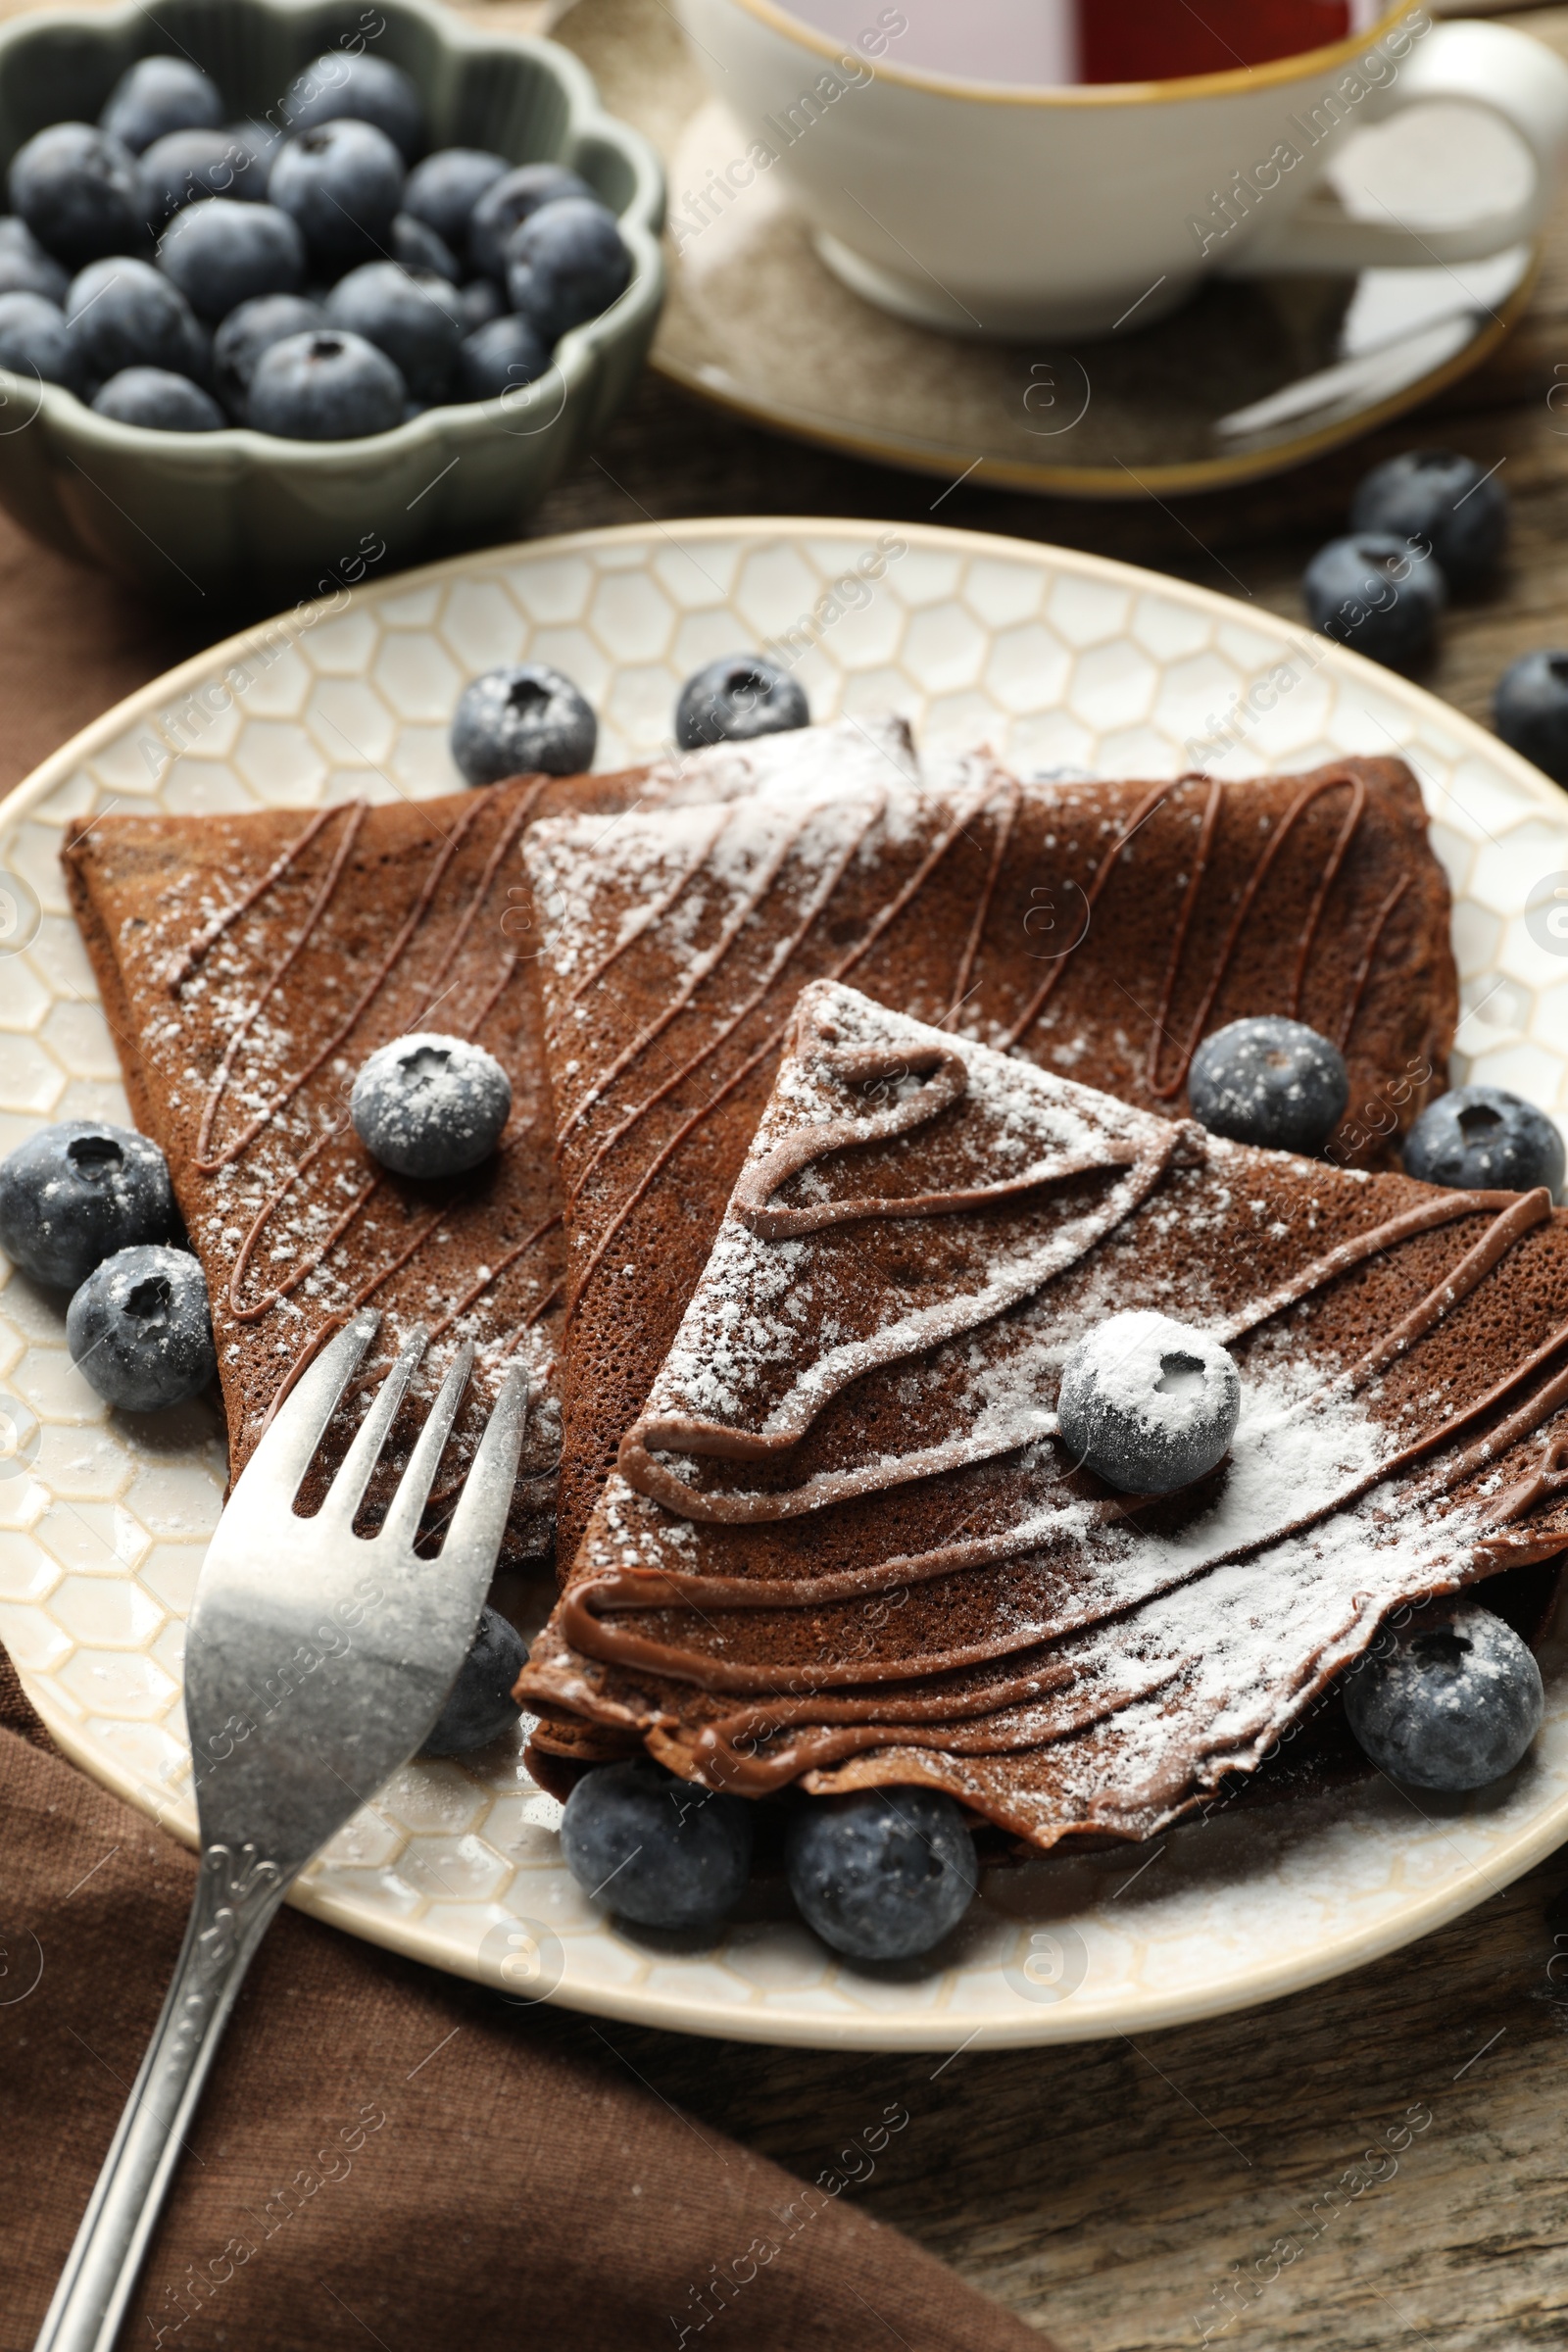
x=233 y=1908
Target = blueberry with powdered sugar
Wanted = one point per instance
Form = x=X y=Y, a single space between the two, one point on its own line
x=1449 y=1700
x=737 y=698
x=1148 y=1403
x=1482 y=1138
x=524 y=718
x=1269 y=1081
x=139 y=1331
x=76 y=1191
x=882 y=1874
x=431 y=1106
x=665 y=1852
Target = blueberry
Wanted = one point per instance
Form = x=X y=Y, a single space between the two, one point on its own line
x=139 y=1329
x=34 y=340
x=249 y=331
x=883 y=1873
x=1269 y=1081
x=1530 y=710
x=343 y=183
x=414 y=319
x=160 y=401
x=222 y=253
x=499 y=357
x=25 y=267
x=76 y=1191
x=156 y=95
x=1449 y=1700
x=443 y=189
x=1479 y=1139
x=478 y=303
x=431 y=1106
x=255 y=144
x=76 y=188
x=565 y=263
x=325 y=386
x=479 y=1704
x=338 y=88
x=732 y=700
x=126 y=314
x=1148 y=1403
x=418 y=247
x=1376 y=594
x=187 y=165
x=661 y=1852
x=521 y=720
x=512 y=200
x=1455 y=506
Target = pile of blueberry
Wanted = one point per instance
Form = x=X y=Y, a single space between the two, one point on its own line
x=183 y=272
x=87 y=1208
x=1421 y=525
x=526 y=718
x=1277 y=1083
x=882 y=1874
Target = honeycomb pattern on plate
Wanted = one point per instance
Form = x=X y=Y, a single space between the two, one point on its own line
x=1058 y=660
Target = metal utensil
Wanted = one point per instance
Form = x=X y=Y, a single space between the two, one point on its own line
x=316 y=1661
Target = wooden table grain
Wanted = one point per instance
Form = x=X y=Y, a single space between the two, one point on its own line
x=1383 y=2160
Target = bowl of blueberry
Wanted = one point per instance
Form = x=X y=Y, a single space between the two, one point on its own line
x=287 y=290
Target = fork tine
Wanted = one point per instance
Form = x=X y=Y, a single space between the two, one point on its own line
x=283 y=1455
x=347 y=1491
x=473 y=1538
x=402 y=1522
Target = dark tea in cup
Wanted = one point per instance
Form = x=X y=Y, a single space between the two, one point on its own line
x=1044 y=44
x=1166 y=41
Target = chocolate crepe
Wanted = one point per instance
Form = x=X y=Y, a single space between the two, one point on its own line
x=1099 y=929
x=845 y=1544
x=248 y=964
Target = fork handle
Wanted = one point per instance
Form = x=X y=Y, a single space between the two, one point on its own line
x=231 y=1912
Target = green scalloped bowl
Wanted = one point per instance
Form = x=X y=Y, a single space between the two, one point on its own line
x=215 y=516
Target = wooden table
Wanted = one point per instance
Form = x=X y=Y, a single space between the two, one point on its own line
x=1110 y=2191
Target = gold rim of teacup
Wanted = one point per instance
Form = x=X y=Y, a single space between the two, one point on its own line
x=1302 y=66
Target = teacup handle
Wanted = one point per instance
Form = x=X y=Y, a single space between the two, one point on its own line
x=1491 y=67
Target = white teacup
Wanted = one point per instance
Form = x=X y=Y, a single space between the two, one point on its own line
x=1003 y=209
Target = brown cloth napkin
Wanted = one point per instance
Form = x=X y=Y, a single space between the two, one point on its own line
x=384 y=2155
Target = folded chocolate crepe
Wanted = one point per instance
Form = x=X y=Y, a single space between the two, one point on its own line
x=1100 y=930
x=248 y=964
x=845 y=1544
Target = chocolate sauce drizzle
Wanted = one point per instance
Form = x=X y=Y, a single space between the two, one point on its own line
x=212 y=1156
x=760 y=1745
x=1001 y=796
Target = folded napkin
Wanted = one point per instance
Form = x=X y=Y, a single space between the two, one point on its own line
x=385 y=2155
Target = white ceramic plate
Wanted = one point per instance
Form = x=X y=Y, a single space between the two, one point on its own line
x=1059 y=658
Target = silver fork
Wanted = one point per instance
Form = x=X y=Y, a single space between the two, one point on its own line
x=316 y=1662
